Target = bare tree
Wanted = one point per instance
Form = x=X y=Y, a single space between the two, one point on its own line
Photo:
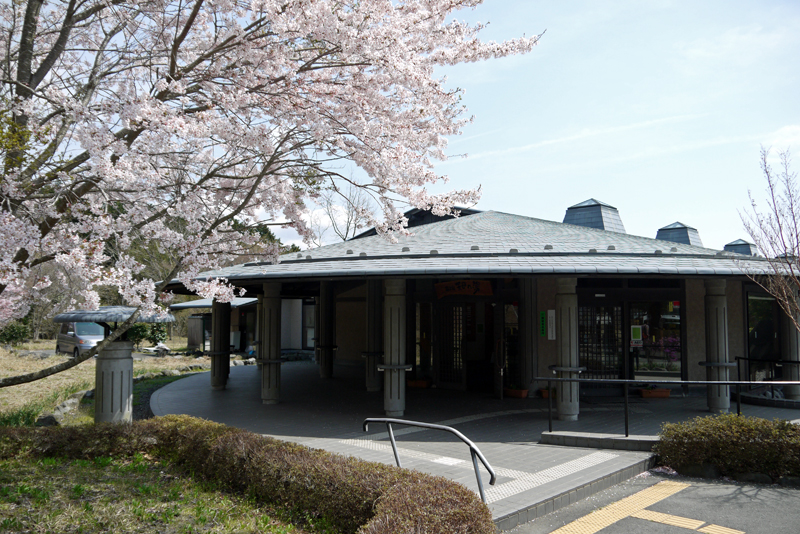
x=345 y=211
x=775 y=230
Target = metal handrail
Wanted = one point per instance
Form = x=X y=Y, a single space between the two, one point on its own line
x=626 y=382
x=473 y=449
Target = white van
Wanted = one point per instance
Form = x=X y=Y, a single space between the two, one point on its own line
x=77 y=338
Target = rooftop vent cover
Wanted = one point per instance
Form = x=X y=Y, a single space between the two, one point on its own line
x=740 y=246
x=678 y=232
x=595 y=214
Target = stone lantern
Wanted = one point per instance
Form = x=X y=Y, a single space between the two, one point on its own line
x=114 y=369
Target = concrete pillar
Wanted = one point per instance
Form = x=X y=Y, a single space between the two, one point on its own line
x=719 y=397
x=113 y=402
x=567 y=393
x=791 y=353
x=374 y=349
x=394 y=347
x=528 y=330
x=220 y=344
x=269 y=342
x=325 y=348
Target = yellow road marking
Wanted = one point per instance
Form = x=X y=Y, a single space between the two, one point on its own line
x=716 y=529
x=600 y=519
x=667 y=519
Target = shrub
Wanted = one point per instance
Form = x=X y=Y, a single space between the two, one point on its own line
x=350 y=494
x=138 y=332
x=735 y=444
x=157 y=333
x=14 y=333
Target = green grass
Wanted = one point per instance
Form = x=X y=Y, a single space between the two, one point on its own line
x=28 y=413
x=116 y=495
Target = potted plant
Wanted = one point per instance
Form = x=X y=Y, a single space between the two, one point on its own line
x=653 y=392
x=515 y=391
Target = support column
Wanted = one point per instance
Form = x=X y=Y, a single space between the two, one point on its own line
x=719 y=397
x=374 y=351
x=567 y=393
x=220 y=344
x=528 y=331
x=269 y=342
x=394 y=347
x=325 y=347
x=113 y=401
x=791 y=353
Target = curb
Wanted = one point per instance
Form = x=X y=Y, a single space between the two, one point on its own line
x=539 y=509
x=591 y=440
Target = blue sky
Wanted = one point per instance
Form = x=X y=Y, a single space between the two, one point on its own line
x=658 y=108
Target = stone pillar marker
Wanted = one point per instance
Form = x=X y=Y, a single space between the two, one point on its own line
x=269 y=342
x=567 y=393
x=220 y=344
x=114 y=366
x=717 y=364
x=325 y=327
x=394 y=348
x=374 y=349
x=114 y=383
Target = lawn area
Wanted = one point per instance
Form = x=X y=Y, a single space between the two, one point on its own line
x=112 y=494
x=46 y=393
x=122 y=495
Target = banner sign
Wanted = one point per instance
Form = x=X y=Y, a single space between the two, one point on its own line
x=481 y=288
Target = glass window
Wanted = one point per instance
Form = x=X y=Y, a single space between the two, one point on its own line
x=763 y=343
x=655 y=339
x=89 y=329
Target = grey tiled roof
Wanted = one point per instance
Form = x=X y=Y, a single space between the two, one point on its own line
x=506 y=244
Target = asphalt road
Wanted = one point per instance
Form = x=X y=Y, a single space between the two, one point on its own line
x=664 y=504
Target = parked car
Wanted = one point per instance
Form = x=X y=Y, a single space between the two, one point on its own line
x=77 y=338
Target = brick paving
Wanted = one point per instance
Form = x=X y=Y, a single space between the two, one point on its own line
x=532 y=478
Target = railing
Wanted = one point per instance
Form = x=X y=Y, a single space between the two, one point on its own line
x=626 y=382
x=473 y=449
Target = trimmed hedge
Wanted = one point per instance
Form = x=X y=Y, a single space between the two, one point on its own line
x=734 y=444
x=352 y=494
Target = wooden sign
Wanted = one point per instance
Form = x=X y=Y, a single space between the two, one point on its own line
x=481 y=288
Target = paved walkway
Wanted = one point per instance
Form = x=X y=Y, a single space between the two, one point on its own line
x=533 y=479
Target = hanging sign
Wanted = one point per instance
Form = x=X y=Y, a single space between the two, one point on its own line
x=481 y=288
x=542 y=324
x=636 y=336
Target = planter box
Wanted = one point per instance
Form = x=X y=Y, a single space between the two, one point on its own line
x=659 y=393
x=515 y=393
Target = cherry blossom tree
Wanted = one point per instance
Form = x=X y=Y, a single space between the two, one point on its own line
x=187 y=123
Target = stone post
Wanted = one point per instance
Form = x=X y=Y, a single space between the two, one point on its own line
x=220 y=344
x=719 y=397
x=269 y=342
x=528 y=330
x=325 y=348
x=113 y=401
x=567 y=393
x=394 y=347
x=374 y=352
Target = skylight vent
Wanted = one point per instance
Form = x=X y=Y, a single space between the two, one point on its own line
x=406 y=249
x=612 y=247
x=349 y=251
x=548 y=247
x=434 y=252
x=513 y=251
x=474 y=247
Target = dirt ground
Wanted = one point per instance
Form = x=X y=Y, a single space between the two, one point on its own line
x=80 y=376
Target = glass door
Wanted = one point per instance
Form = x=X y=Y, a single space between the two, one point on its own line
x=655 y=340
